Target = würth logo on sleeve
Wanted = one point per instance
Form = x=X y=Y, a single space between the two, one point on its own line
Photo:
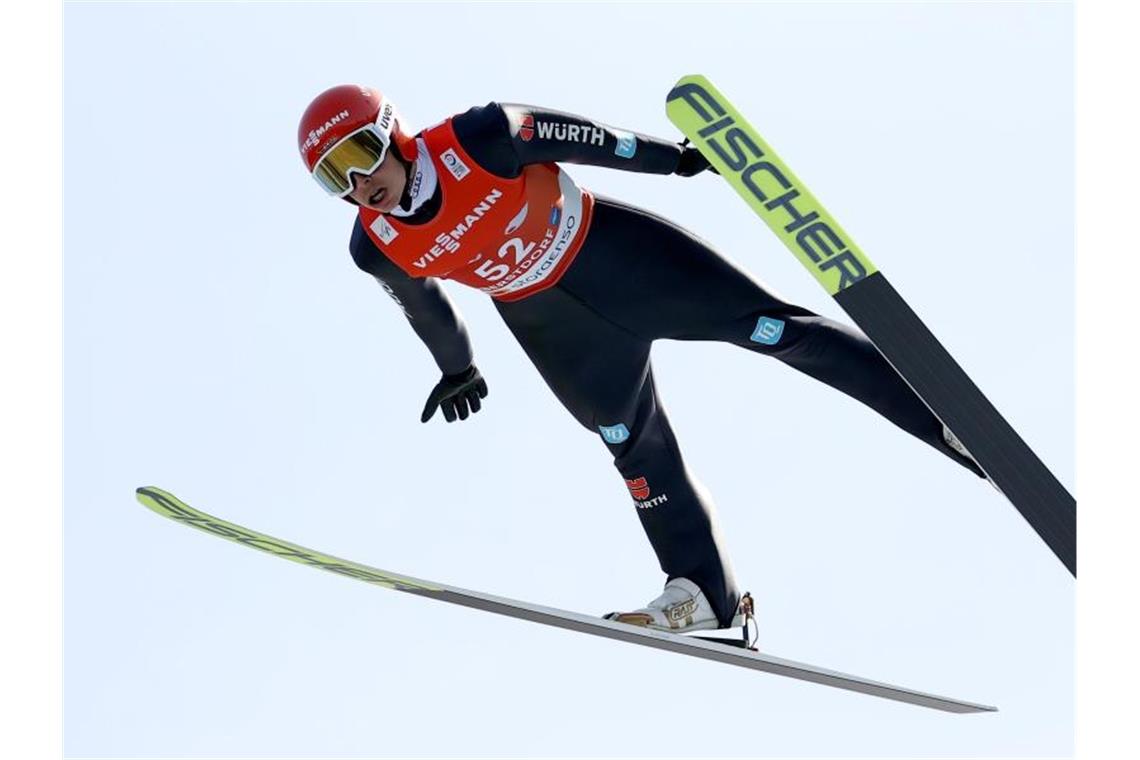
x=579 y=133
x=640 y=491
x=551 y=130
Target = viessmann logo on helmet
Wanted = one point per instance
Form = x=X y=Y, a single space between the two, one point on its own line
x=315 y=134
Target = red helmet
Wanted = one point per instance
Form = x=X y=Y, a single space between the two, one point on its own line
x=349 y=128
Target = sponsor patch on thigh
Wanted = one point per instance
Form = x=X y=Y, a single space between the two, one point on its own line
x=614 y=433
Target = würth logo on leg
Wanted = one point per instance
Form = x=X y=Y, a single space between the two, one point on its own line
x=639 y=490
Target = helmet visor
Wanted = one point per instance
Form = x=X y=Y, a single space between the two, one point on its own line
x=362 y=151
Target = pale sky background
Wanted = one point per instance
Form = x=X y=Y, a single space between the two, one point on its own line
x=220 y=343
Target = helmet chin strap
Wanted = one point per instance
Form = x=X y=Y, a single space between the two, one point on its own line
x=421 y=186
x=406 y=196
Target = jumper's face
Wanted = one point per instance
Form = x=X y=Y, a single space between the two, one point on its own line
x=382 y=189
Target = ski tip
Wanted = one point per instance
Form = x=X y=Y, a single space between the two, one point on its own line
x=688 y=79
x=155 y=499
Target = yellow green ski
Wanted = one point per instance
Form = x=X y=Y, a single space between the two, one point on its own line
x=170 y=506
x=750 y=165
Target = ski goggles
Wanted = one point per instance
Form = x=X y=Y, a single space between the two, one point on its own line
x=362 y=151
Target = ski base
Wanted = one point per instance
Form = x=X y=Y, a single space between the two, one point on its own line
x=725 y=642
x=167 y=505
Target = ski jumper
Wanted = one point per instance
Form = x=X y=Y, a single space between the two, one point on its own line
x=486 y=205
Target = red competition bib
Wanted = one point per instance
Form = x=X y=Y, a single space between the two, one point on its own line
x=509 y=238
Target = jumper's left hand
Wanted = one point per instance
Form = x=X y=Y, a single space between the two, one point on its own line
x=692 y=161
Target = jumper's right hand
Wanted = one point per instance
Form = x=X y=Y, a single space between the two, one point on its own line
x=457 y=394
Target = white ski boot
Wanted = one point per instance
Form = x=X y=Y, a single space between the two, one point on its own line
x=681 y=608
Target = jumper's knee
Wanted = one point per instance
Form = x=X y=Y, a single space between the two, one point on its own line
x=776 y=334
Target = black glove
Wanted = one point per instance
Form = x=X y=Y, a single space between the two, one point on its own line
x=455 y=393
x=692 y=161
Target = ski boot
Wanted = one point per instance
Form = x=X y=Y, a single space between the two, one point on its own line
x=682 y=608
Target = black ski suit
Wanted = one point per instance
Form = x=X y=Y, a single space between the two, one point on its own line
x=638 y=278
